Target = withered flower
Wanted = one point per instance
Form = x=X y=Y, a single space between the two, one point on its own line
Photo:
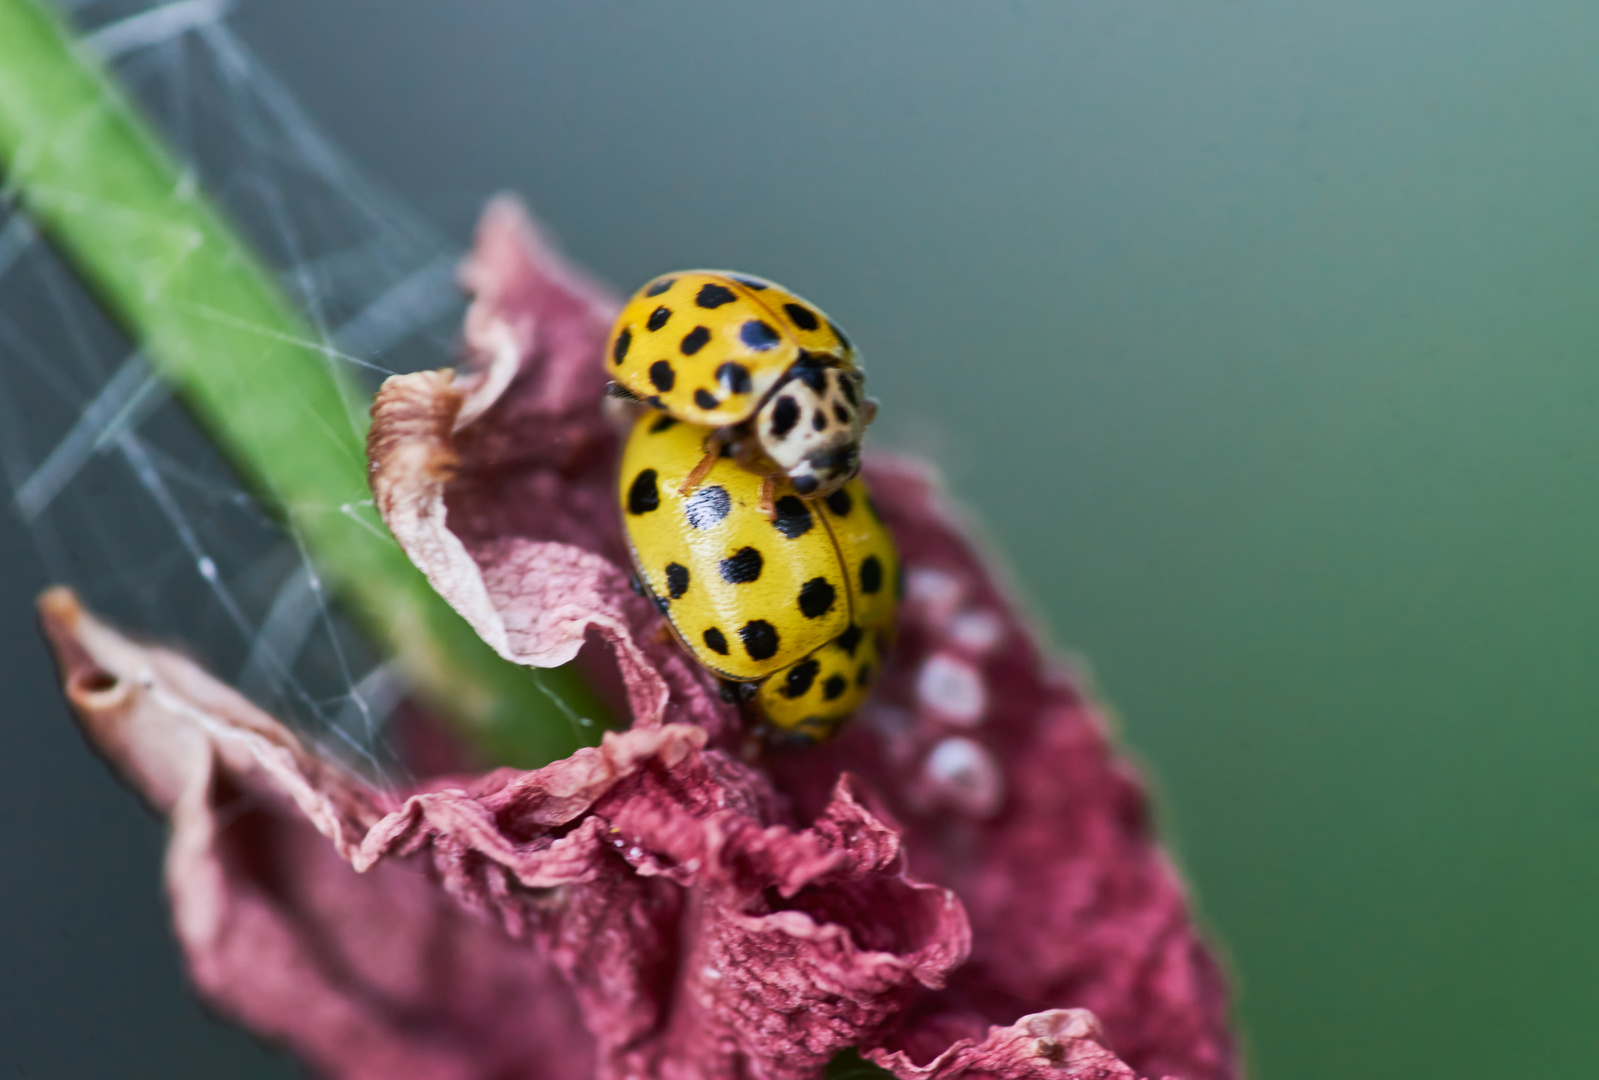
x=963 y=884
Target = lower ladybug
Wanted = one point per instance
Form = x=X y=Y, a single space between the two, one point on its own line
x=798 y=602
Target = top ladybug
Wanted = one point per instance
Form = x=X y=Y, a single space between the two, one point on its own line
x=776 y=380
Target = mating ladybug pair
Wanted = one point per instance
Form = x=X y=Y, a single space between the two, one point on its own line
x=740 y=493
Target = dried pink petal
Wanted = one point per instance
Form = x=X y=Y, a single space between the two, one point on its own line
x=505 y=502
x=533 y=601
x=696 y=912
x=1041 y=831
x=1042 y=1046
x=363 y=976
x=1071 y=901
x=643 y=882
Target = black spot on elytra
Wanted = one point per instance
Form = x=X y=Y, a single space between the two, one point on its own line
x=695 y=340
x=714 y=296
x=661 y=424
x=819 y=420
x=760 y=639
x=643 y=496
x=803 y=317
x=705 y=399
x=619 y=350
x=785 y=414
x=841 y=414
x=871 y=575
x=846 y=386
x=707 y=506
x=654 y=401
x=849 y=640
x=742 y=567
x=805 y=484
x=840 y=503
x=758 y=335
x=816 y=598
x=660 y=286
x=842 y=340
x=751 y=283
x=676 y=580
x=799 y=679
x=658 y=317
x=793 y=517
x=715 y=642
x=735 y=378
x=834 y=687
x=662 y=377
x=863 y=675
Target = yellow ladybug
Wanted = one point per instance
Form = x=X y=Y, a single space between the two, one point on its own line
x=776 y=381
x=803 y=599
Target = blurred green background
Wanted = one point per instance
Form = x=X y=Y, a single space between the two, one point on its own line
x=1261 y=340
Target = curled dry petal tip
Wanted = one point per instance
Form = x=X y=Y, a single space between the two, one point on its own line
x=1045 y=1046
x=964 y=884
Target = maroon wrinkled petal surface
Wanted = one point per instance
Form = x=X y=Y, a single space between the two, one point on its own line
x=1002 y=776
x=633 y=906
x=365 y=976
x=964 y=884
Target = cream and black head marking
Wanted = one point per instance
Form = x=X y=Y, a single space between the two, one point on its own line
x=811 y=426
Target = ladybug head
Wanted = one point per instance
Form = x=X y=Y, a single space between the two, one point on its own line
x=811 y=425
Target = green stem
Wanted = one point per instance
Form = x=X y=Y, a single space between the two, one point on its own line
x=211 y=319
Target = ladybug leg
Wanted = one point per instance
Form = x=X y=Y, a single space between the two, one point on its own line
x=697 y=475
x=713 y=450
x=768 y=503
